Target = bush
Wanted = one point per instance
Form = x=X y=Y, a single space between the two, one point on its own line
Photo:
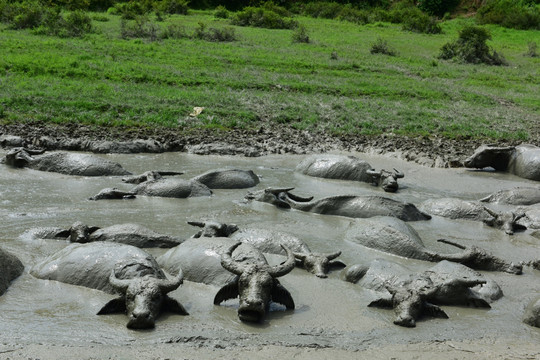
x=471 y=47
x=259 y=17
x=381 y=46
x=221 y=12
x=173 y=6
x=174 y=31
x=517 y=14
x=437 y=7
x=300 y=35
x=422 y=23
x=132 y=10
x=532 y=49
x=212 y=34
x=141 y=27
x=78 y=23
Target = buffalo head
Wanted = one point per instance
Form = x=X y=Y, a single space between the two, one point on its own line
x=496 y=157
x=276 y=196
x=506 y=221
x=386 y=179
x=148 y=176
x=112 y=194
x=213 y=229
x=255 y=285
x=318 y=264
x=80 y=233
x=20 y=157
x=143 y=299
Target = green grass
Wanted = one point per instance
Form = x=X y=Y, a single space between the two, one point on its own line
x=264 y=77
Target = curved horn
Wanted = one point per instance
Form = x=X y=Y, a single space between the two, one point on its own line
x=299 y=198
x=118 y=284
x=167 y=285
x=277 y=190
x=491 y=212
x=286 y=267
x=398 y=174
x=373 y=172
x=334 y=255
x=228 y=263
x=196 y=223
x=300 y=256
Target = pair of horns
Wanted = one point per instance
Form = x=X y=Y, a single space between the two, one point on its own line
x=275 y=271
x=397 y=174
x=165 y=285
x=332 y=256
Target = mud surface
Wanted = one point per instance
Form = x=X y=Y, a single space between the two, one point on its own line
x=427 y=151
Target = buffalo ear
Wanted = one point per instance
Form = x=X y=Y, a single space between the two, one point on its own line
x=173 y=306
x=382 y=303
x=478 y=302
x=92 y=229
x=282 y=296
x=434 y=311
x=229 y=291
x=337 y=264
x=117 y=305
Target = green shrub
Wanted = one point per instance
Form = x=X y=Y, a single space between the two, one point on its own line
x=381 y=46
x=437 y=7
x=174 y=31
x=259 y=17
x=140 y=27
x=532 y=49
x=517 y=14
x=300 y=35
x=221 y=12
x=213 y=34
x=471 y=47
x=422 y=23
x=23 y=15
x=325 y=10
x=173 y=6
x=132 y=10
x=78 y=23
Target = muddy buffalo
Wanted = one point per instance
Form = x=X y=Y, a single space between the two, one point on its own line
x=10 y=269
x=521 y=195
x=116 y=268
x=64 y=163
x=522 y=160
x=349 y=168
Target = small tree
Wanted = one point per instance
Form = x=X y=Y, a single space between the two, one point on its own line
x=471 y=47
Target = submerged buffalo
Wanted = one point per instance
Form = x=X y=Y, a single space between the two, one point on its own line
x=522 y=160
x=256 y=285
x=344 y=205
x=161 y=187
x=394 y=236
x=532 y=313
x=10 y=269
x=64 y=163
x=228 y=179
x=349 y=168
x=451 y=208
x=112 y=268
x=270 y=241
x=420 y=294
x=213 y=229
x=515 y=196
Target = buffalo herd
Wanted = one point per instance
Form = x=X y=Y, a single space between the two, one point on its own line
x=232 y=258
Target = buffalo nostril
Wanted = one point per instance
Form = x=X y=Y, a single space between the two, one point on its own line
x=405 y=321
x=322 y=276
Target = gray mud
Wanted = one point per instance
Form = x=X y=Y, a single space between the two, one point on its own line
x=51 y=320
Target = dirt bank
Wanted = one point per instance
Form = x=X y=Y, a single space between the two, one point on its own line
x=428 y=151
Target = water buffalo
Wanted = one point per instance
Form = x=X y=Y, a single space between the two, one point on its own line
x=349 y=168
x=256 y=285
x=270 y=241
x=344 y=205
x=228 y=179
x=112 y=268
x=394 y=236
x=162 y=187
x=515 y=196
x=10 y=269
x=213 y=229
x=420 y=294
x=460 y=209
x=532 y=313
x=63 y=162
x=522 y=160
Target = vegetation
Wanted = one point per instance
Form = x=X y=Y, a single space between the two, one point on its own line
x=380 y=46
x=152 y=70
x=471 y=47
x=517 y=14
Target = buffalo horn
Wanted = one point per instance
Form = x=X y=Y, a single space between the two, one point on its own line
x=299 y=198
x=286 y=267
x=167 y=285
x=300 y=256
x=228 y=263
x=196 y=223
x=373 y=172
x=119 y=284
x=398 y=174
x=334 y=255
x=276 y=191
x=491 y=212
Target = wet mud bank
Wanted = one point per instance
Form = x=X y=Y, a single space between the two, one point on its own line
x=427 y=151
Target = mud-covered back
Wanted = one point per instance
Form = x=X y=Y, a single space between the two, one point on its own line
x=270 y=241
x=77 y=164
x=10 y=268
x=172 y=187
x=228 y=179
x=335 y=167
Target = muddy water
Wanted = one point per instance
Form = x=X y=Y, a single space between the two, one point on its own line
x=329 y=312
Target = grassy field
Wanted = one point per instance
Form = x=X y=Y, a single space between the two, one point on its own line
x=332 y=84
